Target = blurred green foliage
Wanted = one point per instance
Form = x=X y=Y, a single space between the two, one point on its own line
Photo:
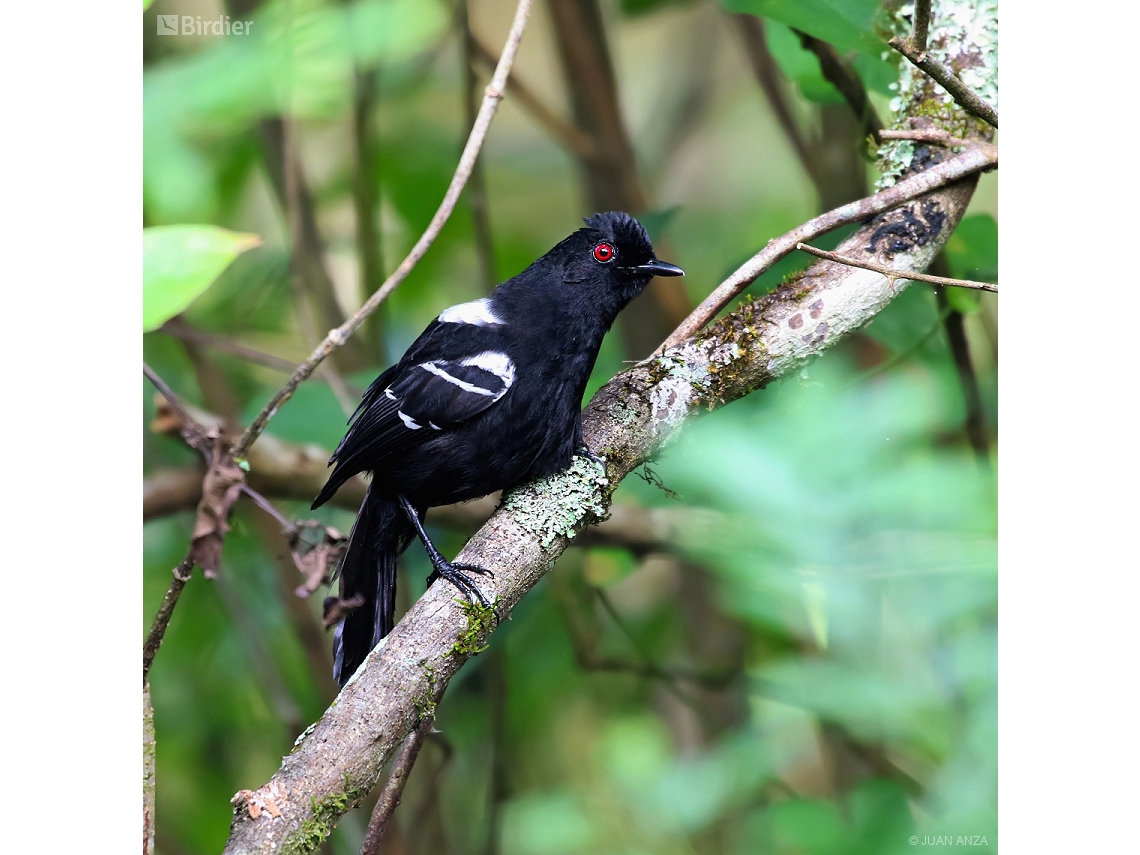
x=833 y=589
x=180 y=263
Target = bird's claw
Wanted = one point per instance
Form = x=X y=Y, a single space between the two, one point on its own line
x=454 y=573
x=472 y=568
x=583 y=451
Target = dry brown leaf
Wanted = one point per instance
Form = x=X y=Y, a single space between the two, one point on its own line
x=336 y=608
x=315 y=560
x=166 y=420
x=220 y=489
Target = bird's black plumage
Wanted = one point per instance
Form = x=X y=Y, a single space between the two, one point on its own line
x=488 y=397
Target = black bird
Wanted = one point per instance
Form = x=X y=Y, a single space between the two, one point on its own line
x=488 y=397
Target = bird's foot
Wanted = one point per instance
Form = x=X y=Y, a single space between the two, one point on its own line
x=583 y=451
x=456 y=574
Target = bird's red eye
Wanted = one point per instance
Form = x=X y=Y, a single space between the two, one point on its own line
x=603 y=252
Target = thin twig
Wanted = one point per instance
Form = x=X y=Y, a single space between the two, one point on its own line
x=942 y=74
x=892 y=273
x=477 y=185
x=174 y=401
x=708 y=679
x=267 y=506
x=180 y=329
x=562 y=131
x=495 y=682
x=148 y=771
x=394 y=788
x=954 y=324
x=768 y=75
x=337 y=337
x=921 y=24
x=302 y=295
x=153 y=641
x=839 y=75
x=979 y=157
x=365 y=188
x=930 y=135
x=902 y=356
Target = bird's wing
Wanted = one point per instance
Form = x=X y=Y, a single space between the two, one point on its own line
x=417 y=401
x=452 y=372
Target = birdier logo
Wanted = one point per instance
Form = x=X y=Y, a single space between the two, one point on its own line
x=193 y=25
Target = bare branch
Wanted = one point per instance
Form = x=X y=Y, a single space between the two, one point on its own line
x=477 y=185
x=148 y=771
x=562 y=131
x=284 y=171
x=921 y=24
x=837 y=73
x=954 y=324
x=182 y=574
x=769 y=76
x=267 y=506
x=337 y=337
x=188 y=423
x=302 y=288
x=369 y=246
x=394 y=788
x=180 y=329
x=892 y=274
x=980 y=157
x=942 y=74
x=934 y=135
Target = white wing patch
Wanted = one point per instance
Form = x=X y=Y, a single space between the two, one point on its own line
x=462 y=384
x=477 y=312
x=496 y=363
x=408 y=421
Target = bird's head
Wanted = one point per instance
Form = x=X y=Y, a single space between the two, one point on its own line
x=611 y=258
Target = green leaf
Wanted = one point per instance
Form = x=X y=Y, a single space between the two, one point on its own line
x=180 y=262
x=800 y=65
x=962 y=300
x=973 y=249
x=847 y=24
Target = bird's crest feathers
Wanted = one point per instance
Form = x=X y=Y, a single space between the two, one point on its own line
x=622 y=230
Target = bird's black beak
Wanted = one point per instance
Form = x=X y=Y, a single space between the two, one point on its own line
x=658 y=268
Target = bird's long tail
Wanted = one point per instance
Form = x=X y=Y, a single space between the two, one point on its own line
x=379 y=535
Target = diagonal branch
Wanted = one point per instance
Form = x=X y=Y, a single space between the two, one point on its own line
x=942 y=74
x=769 y=76
x=980 y=157
x=337 y=337
x=394 y=789
x=890 y=273
x=839 y=75
x=562 y=131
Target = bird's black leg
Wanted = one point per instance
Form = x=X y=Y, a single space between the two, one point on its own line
x=453 y=572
